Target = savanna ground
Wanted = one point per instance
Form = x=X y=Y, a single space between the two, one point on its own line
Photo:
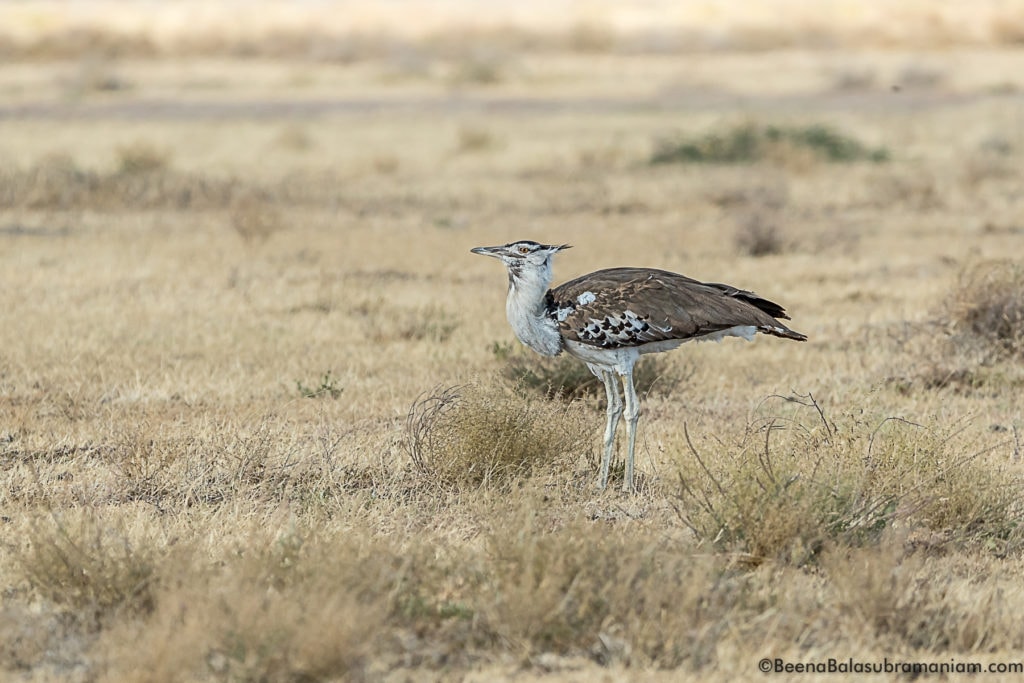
x=262 y=418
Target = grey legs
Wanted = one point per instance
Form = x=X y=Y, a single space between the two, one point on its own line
x=615 y=411
x=632 y=417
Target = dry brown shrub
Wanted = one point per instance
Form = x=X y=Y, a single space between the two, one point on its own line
x=144 y=181
x=255 y=217
x=854 y=79
x=985 y=309
x=294 y=137
x=791 y=488
x=481 y=65
x=95 y=75
x=591 y=37
x=976 y=335
x=390 y=323
x=292 y=604
x=760 y=216
x=490 y=436
x=474 y=139
x=628 y=598
x=922 y=190
x=920 y=77
x=758 y=233
x=925 y=603
x=89 y=564
x=142 y=157
x=386 y=164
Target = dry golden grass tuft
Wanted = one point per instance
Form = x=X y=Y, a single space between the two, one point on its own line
x=791 y=489
x=255 y=216
x=142 y=157
x=986 y=308
x=759 y=233
x=492 y=436
x=143 y=178
x=976 y=337
x=88 y=566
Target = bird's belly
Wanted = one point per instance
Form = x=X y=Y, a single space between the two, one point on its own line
x=619 y=360
x=743 y=331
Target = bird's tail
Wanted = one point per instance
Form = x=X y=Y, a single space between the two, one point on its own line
x=781 y=330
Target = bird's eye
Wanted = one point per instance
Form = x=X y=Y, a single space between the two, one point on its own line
x=524 y=250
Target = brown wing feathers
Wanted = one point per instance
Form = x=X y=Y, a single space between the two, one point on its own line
x=633 y=306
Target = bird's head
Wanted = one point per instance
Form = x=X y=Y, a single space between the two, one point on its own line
x=523 y=255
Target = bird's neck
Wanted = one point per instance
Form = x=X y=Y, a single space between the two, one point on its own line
x=526 y=308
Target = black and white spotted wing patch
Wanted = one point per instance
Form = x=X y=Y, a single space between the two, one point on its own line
x=622 y=307
x=614 y=331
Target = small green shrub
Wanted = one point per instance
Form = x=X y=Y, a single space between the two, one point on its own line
x=328 y=387
x=749 y=143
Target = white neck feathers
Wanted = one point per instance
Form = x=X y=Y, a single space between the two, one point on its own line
x=526 y=308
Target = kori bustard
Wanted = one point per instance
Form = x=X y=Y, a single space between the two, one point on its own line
x=611 y=317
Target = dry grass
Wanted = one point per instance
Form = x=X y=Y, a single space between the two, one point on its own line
x=986 y=308
x=473 y=436
x=142 y=178
x=346 y=32
x=790 y=489
x=977 y=332
x=216 y=321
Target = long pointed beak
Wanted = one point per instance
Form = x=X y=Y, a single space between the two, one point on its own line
x=488 y=251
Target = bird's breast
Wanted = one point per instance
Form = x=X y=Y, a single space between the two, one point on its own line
x=534 y=327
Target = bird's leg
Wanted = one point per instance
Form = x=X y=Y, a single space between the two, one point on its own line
x=614 y=413
x=632 y=417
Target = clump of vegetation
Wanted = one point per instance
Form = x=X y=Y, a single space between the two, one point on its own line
x=758 y=234
x=88 y=565
x=567 y=378
x=255 y=217
x=481 y=66
x=142 y=180
x=294 y=137
x=985 y=310
x=614 y=598
x=976 y=335
x=790 y=489
x=328 y=387
x=748 y=143
x=95 y=75
x=142 y=157
x=473 y=436
x=474 y=139
x=388 y=323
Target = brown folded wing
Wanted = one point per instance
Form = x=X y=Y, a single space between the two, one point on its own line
x=634 y=306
